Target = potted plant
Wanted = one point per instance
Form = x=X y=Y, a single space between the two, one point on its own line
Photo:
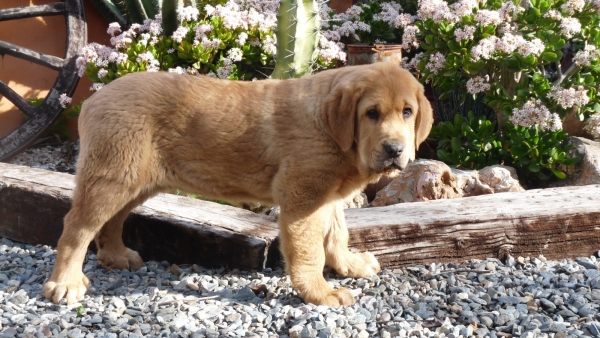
x=371 y=31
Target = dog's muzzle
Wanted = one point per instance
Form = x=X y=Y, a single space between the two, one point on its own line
x=393 y=153
x=394 y=164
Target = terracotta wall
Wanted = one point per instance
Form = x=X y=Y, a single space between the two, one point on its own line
x=46 y=35
x=340 y=5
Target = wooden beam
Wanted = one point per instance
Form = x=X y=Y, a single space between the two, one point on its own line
x=558 y=223
x=33 y=203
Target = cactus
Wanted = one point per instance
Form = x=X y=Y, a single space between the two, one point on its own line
x=169 y=16
x=126 y=12
x=298 y=24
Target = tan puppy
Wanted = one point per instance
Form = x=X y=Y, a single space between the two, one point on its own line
x=303 y=144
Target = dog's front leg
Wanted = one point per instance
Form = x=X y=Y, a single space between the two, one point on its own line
x=301 y=235
x=337 y=254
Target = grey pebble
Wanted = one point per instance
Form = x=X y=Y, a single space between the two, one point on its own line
x=522 y=297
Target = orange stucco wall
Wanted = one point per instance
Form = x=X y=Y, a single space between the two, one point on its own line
x=46 y=35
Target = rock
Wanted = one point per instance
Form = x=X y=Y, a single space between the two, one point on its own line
x=358 y=201
x=586 y=263
x=566 y=313
x=595 y=329
x=509 y=300
x=587 y=170
x=426 y=180
x=500 y=178
x=487 y=321
x=20 y=297
x=274 y=212
x=256 y=207
x=421 y=180
x=175 y=270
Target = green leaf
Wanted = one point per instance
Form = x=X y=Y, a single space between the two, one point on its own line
x=454 y=46
x=458 y=121
x=550 y=57
x=570 y=161
x=80 y=311
x=534 y=166
x=450 y=72
x=558 y=174
x=456 y=145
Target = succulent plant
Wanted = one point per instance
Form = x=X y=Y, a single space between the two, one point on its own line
x=298 y=24
x=126 y=12
x=169 y=15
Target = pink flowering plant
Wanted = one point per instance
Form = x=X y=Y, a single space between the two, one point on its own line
x=513 y=53
x=534 y=61
x=231 y=40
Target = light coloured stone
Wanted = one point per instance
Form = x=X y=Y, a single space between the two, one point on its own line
x=357 y=201
x=426 y=180
x=421 y=181
x=500 y=178
x=587 y=170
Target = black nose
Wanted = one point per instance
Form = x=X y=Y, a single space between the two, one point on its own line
x=393 y=149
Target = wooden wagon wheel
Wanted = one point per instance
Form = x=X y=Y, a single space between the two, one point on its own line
x=41 y=117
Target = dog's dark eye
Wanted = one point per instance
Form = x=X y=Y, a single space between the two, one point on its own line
x=407 y=112
x=373 y=114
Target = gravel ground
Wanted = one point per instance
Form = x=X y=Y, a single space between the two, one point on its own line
x=519 y=297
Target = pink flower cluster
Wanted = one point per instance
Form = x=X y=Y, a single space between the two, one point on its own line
x=436 y=62
x=477 y=85
x=508 y=44
x=535 y=113
x=569 y=97
x=586 y=56
x=64 y=100
x=465 y=33
x=568 y=26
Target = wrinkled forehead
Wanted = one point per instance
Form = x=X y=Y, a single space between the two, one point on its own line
x=391 y=91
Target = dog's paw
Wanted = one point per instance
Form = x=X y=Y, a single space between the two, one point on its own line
x=358 y=265
x=72 y=287
x=339 y=297
x=128 y=259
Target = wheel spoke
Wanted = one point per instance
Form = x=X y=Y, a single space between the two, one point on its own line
x=40 y=118
x=56 y=8
x=16 y=99
x=46 y=60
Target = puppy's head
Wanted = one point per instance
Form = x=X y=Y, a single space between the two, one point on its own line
x=379 y=111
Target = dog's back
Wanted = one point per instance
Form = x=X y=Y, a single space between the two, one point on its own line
x=223 y=139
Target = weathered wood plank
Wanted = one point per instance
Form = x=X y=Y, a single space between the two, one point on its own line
x=33 y=203
x=558 y=223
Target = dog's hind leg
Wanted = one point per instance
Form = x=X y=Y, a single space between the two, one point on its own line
x=95 y=202
x=337 y=254
x=112 y=253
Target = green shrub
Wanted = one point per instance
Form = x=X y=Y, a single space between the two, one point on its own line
x=475 y=142
x=471 y=143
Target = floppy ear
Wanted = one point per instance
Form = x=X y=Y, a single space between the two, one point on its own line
x=424 y=119
x=339 y=114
